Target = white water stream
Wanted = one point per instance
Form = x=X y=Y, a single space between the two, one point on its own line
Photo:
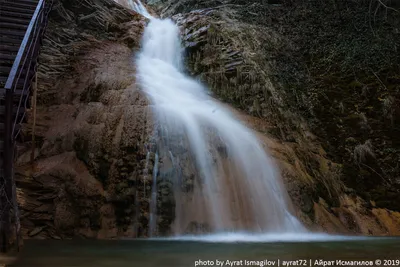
x=237 y=186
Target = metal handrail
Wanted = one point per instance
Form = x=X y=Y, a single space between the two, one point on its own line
x=21 y=51
x=26 y=59
x=33 y=48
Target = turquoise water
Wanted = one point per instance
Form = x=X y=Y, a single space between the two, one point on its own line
x=186 y=253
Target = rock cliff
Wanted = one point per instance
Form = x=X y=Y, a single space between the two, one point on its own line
x=317 y=81
x=91 y=129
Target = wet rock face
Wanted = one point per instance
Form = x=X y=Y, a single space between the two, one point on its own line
x=93 y=153
x=93 y=125
x=274 y=67
x=165 y=207
x=174 y=174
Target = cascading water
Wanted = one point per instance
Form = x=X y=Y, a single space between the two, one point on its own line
x=139 y=7
x=227 y=181
x=153 y=200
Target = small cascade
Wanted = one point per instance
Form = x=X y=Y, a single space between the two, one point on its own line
x=139 y=7
x=153 y=200
x=146 y=173
x=224 y=179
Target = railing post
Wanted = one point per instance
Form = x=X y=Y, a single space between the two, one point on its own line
x=6 y=181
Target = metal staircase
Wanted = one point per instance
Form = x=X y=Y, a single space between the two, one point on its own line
x=22 y=24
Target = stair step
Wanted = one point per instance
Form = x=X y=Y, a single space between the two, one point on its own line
x=16 y=9
x=9 y=48
x=6 y=63
x=16 y=15
x=7 y=25
x=29 y=2
x=12 y=32
x=3 y=81
x=17 y=95
x=20 y=111
x=7 y=57
x=26 y=5
x=7 y=19
x=11 y=40
x=6 y=71
x=2 y=127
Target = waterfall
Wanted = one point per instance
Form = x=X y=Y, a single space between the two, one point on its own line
x=146 y=172
x=228 y=182
x=139 y=7
x=153 y=201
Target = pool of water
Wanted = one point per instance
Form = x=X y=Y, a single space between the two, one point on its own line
x=206 y=252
